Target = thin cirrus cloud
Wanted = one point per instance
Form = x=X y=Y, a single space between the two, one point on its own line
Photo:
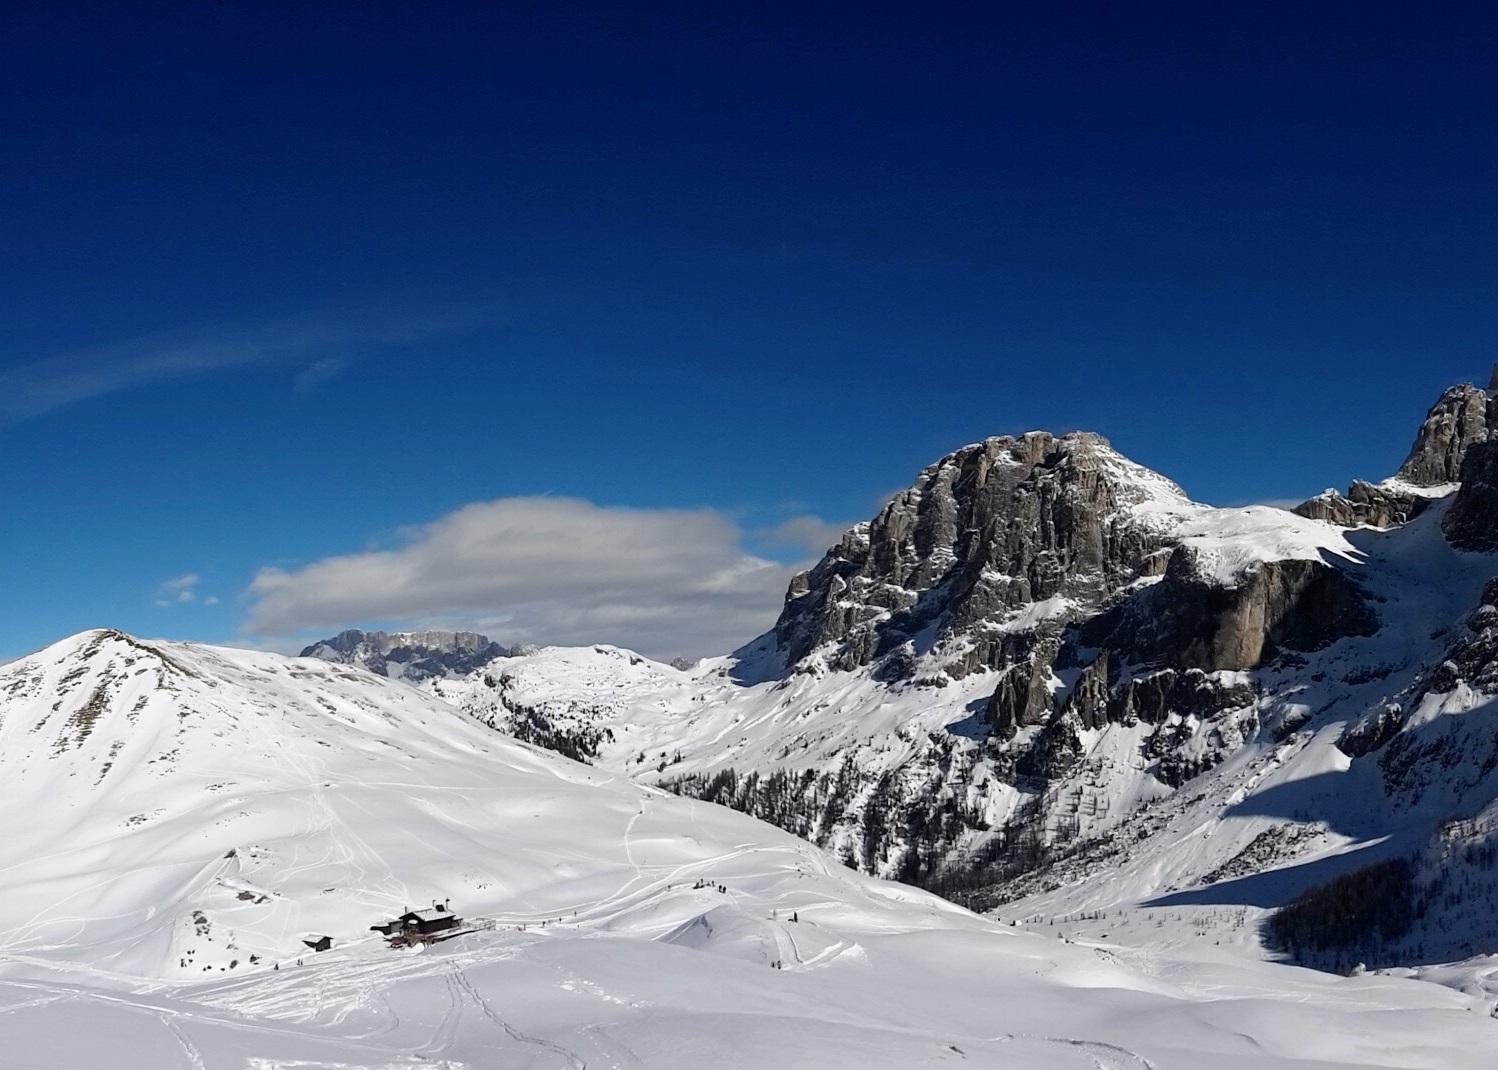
x=322 y=341
x=180 y=590
x=665 y=582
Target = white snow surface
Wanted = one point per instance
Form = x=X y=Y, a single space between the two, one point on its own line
x=182 y=817
x=1227 y=543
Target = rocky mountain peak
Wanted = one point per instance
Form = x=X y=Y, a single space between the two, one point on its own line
x=989 y=529
x=411 y=656
x=1461 y=418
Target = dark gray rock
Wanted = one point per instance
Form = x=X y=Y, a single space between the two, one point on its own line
x=1461 y=419
x=1022 y=696
x=1187 y=621
x=1057 y=750
x=1089 y=698
x=1472 y=521
x=1154 y=696
x=1373 y=731
x=1364 y=504
x=412 y=656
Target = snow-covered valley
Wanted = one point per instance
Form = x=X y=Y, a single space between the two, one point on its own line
x=184 y=818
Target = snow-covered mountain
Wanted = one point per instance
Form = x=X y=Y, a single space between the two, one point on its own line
x=1044 y=667
x=411 y=656
x=184 y=821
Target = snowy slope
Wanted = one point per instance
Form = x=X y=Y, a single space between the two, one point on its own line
x=175 y=810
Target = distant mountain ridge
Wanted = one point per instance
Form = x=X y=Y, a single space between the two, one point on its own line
x=410 y=656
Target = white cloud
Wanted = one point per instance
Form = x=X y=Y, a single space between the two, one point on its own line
x=177 y=590
x=545 y=570
x=810 y=534
x=180 y=590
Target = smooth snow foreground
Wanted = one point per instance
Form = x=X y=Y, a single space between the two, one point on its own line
x=178 y=819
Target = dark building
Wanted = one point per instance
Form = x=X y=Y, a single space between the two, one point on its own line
x=421 y=922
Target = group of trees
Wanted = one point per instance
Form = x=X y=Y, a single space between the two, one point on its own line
x=893 y=823
x=1349 y=920
x=578 y=741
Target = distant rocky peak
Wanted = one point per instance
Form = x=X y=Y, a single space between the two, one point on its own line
x=1462 y=419
x=411 y=656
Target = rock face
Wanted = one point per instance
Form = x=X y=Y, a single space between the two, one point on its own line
x=991 y=529
x=1096 y=593
x=1189 y=622
x=1462 y=418
x=1365 y=504
x=1472 y=521
x=1044 y=557
x=411 y=656
x=1100 y=597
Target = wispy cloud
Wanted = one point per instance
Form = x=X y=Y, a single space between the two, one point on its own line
x=546 y=570
x=325 y=343
x=319 y=372
x=177 y=590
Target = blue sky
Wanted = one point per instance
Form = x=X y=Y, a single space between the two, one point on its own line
x=578 y=325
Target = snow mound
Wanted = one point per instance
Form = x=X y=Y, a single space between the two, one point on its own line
x=1228 y=543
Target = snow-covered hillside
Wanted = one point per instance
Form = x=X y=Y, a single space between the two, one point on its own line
x=1043 y=673
x=182 y=818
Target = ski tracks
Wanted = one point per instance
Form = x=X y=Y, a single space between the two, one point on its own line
x=461 y=985
x=194 y=1056
x=1107 y=1056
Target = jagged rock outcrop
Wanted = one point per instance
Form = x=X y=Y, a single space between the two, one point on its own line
x=1472 y=521
x=1057 y=750
x=1152 y=696
x=1472 y=656
x=1365 y=504
x=990 y=529
x=410 y=656
x=1462 y=421
x=1462 y=418
x=1090 y=696
x=1023 y=696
